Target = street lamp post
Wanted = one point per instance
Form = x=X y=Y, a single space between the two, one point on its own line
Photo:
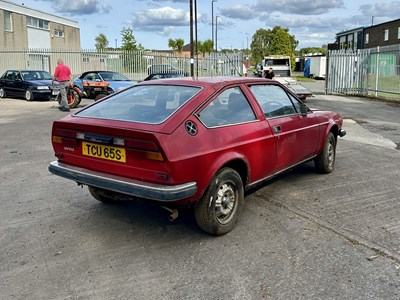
x=216 y=33
x=212 y=19
x=216 y=44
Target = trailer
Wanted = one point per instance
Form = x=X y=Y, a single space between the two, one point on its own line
x=315 y=67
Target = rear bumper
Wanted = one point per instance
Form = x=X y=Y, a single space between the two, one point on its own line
x=136 y=188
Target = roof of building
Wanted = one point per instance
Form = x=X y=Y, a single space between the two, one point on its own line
x=24 y=10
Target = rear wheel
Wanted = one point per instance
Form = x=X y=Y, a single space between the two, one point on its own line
x=28 y=95
x=219 y=209
x=2 y=93
x=72 y=98
x=325 y=162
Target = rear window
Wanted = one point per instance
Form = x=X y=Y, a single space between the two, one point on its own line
x=151 y=104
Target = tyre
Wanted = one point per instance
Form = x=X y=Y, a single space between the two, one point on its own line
x=325 y=162
x=99 y=96
x=72 y=98
x=221 y=205
x=2 y=93
x=28 y=95
x=99 y=195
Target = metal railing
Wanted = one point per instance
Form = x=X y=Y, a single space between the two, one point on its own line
x=136 y=65
x=367 y=72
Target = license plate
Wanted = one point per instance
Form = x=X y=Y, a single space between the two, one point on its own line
x=98 y=89
x=104 y=152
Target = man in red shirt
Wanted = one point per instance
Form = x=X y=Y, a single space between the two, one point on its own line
x=63 y=75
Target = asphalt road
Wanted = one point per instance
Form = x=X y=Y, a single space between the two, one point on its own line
x=301 y=236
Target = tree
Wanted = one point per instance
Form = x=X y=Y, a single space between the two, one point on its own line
x=101 y=42
x=176 y=45
x=316 y=50
x=272 y=42
x=206 y=47
x=128 y=40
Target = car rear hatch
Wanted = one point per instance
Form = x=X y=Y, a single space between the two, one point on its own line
x=123 y=134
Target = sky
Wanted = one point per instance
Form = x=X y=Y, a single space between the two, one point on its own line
x=312 y=22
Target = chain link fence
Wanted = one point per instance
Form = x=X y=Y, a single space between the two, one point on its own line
x=367 y=72
x=135 y=65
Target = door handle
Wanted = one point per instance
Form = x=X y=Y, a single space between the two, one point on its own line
x=277 y=129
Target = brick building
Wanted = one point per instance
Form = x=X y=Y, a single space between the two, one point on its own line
x=384 y=34
x=25 y=28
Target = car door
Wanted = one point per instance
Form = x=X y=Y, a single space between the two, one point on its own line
x=8 y=82
x=296 y=136
x=20 y=84
x=233 y=126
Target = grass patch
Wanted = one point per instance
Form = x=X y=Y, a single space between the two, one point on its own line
x=302 y=78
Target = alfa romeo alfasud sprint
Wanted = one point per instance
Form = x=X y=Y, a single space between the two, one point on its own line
x=198 y=142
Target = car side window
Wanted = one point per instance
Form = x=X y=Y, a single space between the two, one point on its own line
x=273 y=100
x=229 y=107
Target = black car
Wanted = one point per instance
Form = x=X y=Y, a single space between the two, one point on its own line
x=154 y=76
x=29 y=84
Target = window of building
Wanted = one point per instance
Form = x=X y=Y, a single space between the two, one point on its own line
x=7 y=21
x=38 y=23
x=58 y=33
x=367 y=38
x=386 y=37
x=398 y=33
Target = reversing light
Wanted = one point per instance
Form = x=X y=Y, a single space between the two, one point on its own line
x=119 y=142
x=80 y=136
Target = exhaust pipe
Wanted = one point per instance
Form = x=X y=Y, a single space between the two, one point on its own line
x=174 y=213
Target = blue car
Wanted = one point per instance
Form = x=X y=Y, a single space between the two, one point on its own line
x=28 y=84
x=116 y=81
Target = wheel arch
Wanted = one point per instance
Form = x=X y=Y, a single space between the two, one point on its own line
x=240 y=166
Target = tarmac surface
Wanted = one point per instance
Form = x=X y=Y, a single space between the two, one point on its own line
x=301 y=236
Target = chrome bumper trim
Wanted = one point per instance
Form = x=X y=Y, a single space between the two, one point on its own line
x=136 y=188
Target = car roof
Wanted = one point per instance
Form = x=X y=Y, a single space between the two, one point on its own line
x=216 y=81
x=87 y=72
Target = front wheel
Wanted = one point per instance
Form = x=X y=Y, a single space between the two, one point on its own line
x=28 y=95
x=99 y=96
x=325 y=162
x=2 y=93
x=221 y=205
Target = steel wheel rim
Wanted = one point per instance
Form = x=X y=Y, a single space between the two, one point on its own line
x=27 y=95
x=1 y=93
x=331 y=155
x=225 y=203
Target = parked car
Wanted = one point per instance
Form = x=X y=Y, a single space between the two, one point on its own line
x=29 y=84
x=155 y=76
x=116 y=81
x=162 y=68
x=192 y=142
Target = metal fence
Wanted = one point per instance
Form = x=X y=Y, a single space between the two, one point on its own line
x=367 y=72
x=134 y=64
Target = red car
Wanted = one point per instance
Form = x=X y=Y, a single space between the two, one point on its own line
x=197 y=142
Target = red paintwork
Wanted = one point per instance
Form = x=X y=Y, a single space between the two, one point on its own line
x=260 y=151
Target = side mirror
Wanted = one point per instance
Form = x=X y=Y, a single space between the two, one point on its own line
x=303 y=110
